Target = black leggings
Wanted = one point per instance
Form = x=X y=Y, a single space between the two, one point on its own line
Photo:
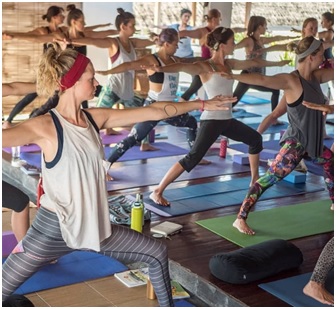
x=13 y=198
x=242 y=88
x=210 y=130
x=195 y=85
x=21 y=105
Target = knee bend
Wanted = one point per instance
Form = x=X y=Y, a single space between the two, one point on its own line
x=257 y=145
x=189 y=162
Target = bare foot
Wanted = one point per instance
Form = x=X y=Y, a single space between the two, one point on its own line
x=254 y=180
x=318 y=292
x=159 y=199
x=332 y=206
x=204 y=162
x=109 y=177
x=111 y=131
x=242 y=227
x=6 y=125
x=147 y=147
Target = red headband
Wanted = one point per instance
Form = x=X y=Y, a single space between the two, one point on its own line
x=75 y=72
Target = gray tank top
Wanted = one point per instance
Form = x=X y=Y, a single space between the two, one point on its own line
x=305 y=124
x=74 y=183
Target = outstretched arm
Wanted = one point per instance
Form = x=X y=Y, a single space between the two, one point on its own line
x=326 y=109
x=108 y=118
x=93 y=27
x=245 y=64
x=100 y=34
x=17 y=88
x=136 y=65
x=33 y=37
x=98 y=42
x=324 y=75
x=268 y=40
x=194 y=33
x=142 y=43
x=190 y=68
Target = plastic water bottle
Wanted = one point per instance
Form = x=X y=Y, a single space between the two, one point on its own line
x=137 y=216
x=223 y=147
x=16 y=156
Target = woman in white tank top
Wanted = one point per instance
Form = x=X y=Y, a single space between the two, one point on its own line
x=213 y=124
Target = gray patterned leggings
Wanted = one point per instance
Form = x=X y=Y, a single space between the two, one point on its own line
x=324 y=263
x=44 y=243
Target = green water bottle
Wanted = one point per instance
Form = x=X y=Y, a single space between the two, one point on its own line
x=137 y=214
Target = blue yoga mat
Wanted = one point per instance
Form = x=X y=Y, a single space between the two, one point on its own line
x=290 y=289
x=72 y=268
x=271 y=129
x=132 y=176
x=182 y=303
x=250 y=99
x=134 y=153
x=236 y=112
x=219 y=194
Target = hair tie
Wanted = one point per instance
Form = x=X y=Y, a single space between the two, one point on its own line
x=75 y=72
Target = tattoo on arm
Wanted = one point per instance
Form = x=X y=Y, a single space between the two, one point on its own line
x=170 y=110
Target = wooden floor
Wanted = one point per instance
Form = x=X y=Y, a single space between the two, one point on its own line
x=192 y=248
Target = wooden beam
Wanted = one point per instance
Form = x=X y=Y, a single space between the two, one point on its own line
x=194 y=13
x=248 y=6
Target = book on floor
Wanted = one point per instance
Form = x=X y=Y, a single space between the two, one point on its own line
x=178 y=291
x=133 y=277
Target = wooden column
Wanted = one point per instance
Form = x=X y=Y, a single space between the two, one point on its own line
x=248 y=6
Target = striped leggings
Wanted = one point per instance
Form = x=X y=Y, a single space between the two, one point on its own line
x=285 y=162
x=44 y=244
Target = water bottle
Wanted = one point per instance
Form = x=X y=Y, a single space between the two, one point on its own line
x=223 y=147
x=16 y=161
x=137 y=214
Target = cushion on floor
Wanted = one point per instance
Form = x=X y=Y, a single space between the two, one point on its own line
x=255 y=262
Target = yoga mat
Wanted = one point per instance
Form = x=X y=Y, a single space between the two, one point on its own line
x=182 y=303
x=32 y=158
x=134 y=153
x=114 y=138
x=214 y=195
x=72 y=268
x=25 y=148
x=286 y=222
x=250 y=99
x=137 y=175
x=290 y=289
x=330 y=120
x=236 y=112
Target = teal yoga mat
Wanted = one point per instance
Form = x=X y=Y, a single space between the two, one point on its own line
x=72 y=268
x=253 y=100
x=286 y=222
x=196 y=198
x=290 y=289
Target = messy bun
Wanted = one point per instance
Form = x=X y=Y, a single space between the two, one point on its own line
x=53 y=65
x=123 y=18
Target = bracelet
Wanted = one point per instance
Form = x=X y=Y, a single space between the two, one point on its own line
x=202 y=108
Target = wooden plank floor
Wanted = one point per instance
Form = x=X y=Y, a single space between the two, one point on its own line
x=192 y=248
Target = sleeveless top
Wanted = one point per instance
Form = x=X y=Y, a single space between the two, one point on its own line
x=217 y=85
x=253 y=55
x=169 y=84
x=81 y=49
x=184 y=49
x=122 y=84
x=205 y=50
x=305 y=124
x=74 y=183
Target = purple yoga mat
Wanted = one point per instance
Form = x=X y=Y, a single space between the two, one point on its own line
x=134 y=153
x=25 y=148
x=137 y=175
x=115 y=138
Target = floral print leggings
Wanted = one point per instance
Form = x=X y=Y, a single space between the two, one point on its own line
x=285 y=162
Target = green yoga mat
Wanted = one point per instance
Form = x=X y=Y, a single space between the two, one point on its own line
x=287 y=222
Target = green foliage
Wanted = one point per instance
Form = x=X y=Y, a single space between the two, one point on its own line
x=239 y=36
x=287 y=55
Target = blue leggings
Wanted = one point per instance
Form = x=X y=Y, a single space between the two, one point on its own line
x=291 y=153
x=44 y=244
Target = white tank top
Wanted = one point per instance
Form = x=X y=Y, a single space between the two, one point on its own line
x=122 y=84
x=169 y=86
x=218 y=85
x=75 y=185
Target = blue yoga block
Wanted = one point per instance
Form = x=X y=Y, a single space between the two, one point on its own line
x=268 y=154
x=296 y=177
x=241 y=159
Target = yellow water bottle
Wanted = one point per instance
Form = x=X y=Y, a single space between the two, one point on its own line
x=137 y=214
